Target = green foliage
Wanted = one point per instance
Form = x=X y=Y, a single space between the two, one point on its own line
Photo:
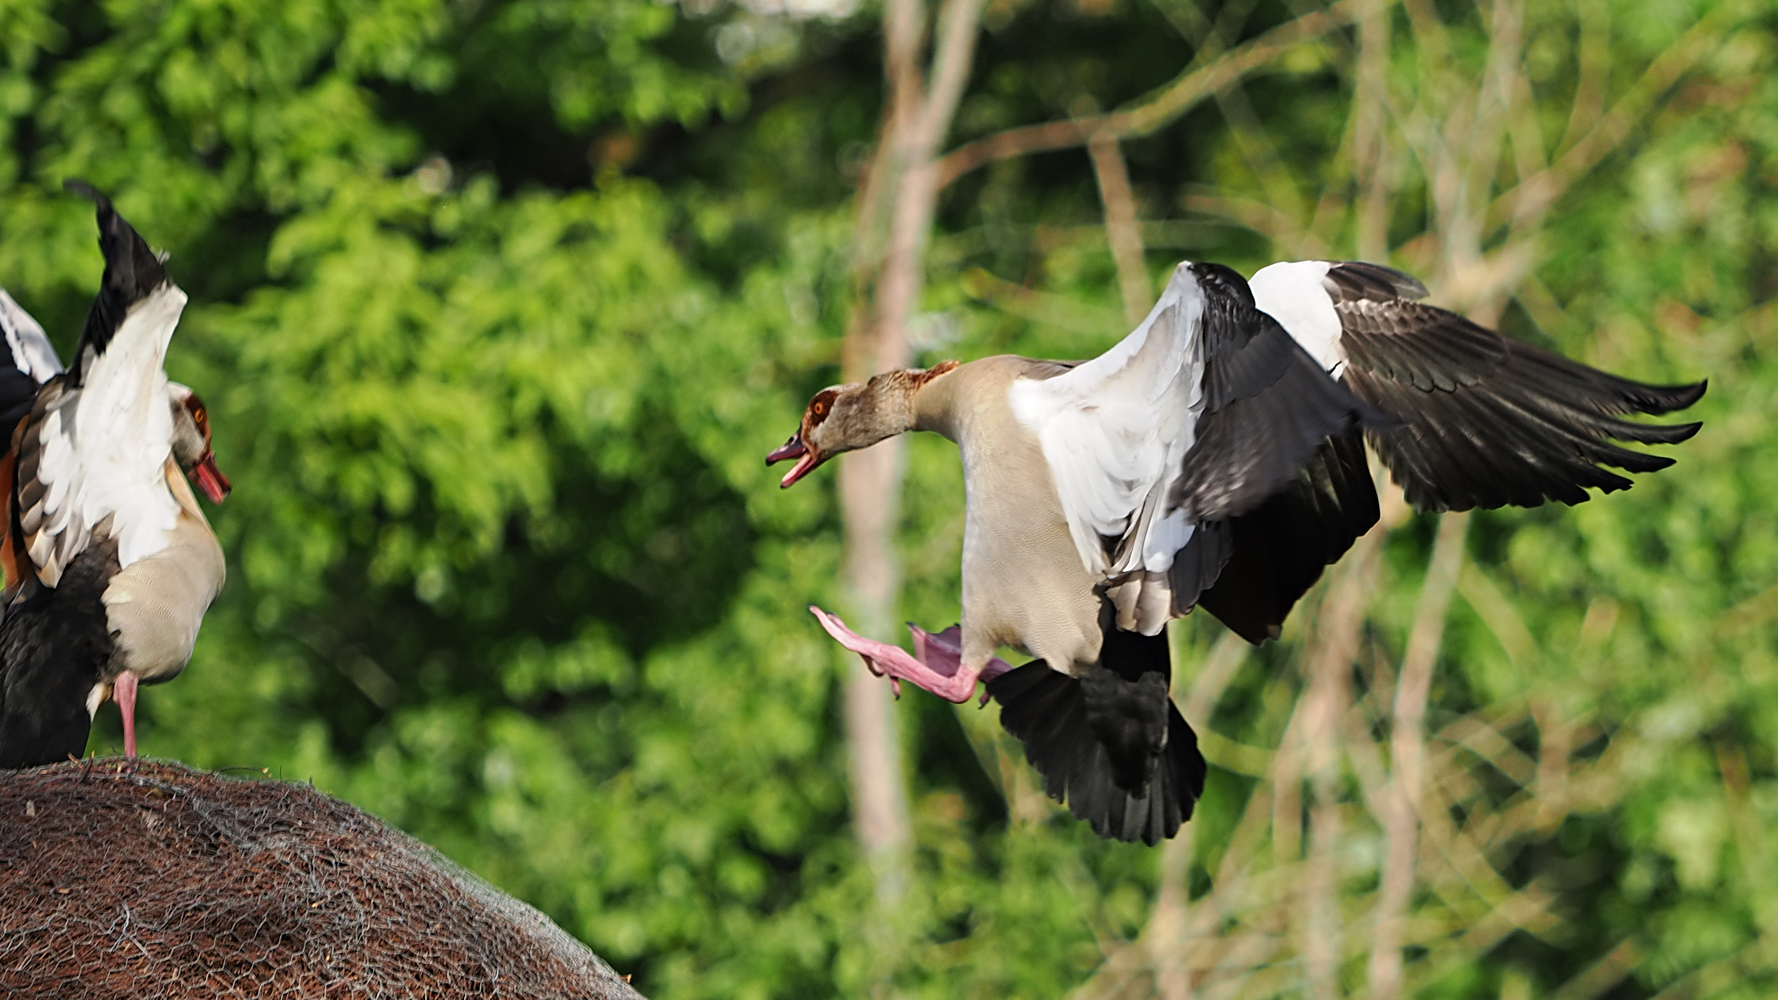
x=498 y=306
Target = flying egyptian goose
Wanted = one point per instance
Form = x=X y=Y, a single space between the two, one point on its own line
x=1086 y=485
x=109 y=562
x=1214 y=457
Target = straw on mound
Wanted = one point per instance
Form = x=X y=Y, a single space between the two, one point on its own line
x=154 y=880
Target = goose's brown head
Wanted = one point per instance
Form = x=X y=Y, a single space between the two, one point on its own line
x=856 y=415
x=191 y=442
x=806 y=444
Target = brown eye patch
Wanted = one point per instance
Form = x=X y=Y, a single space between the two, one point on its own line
x=821 y=405
x=199 y=416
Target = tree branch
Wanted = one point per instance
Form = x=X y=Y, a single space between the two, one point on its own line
x=1534 y=196
x=900 y=186
x=1121 y=229
x=1369 y=113
x=1401 y=854
x=1329 y=666
x=1177 y=98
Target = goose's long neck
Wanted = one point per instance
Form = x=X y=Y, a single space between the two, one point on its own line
x=932 y=400
x=887 y=405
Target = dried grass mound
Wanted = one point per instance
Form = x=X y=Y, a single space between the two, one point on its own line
x=154 y=880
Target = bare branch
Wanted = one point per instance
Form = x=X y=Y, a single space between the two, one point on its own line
x=1177 y=98
x=1166 y=933
x=918 y=131
x=1268 y=221
x=1535 y=195
x=1262 y=156
x=1601 y=976
x=900 y=185
x=1040 y=307
x=950 y=68
x=1594 y=72
x=1499 y=615
x=1368 y=114
x=1329 y=666
x=1408 y=750
x=1120 y=226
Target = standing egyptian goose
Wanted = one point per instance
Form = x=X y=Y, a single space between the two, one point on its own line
x=110 y=564
x=1209 y=458
x=1088 y=486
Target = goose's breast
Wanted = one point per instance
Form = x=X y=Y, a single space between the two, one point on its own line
x=155 y=604
x=1023 y=581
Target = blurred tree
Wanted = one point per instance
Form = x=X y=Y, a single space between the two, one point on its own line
x=498 y=307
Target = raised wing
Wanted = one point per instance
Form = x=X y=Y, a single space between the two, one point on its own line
x=27 y=346
x=1199 y=415
x=92 y=451
x=33 y=362
x=1490 y=420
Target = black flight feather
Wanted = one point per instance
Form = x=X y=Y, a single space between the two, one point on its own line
x=1489 y=420
x=1267 y=406
x=132 y=273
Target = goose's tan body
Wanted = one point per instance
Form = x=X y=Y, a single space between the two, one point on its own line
x=1023 y=582
x=155 y=604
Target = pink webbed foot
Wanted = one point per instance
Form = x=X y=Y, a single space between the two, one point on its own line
x=937 y=666
x=943 y=653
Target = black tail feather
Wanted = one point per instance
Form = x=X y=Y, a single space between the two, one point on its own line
x=1048 y=712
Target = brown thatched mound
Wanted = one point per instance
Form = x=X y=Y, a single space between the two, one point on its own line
x=155 y=880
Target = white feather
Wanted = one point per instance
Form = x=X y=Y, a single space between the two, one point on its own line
x=1293 y=294
x=31 y=349
x=1115 y=431
x=104 y=449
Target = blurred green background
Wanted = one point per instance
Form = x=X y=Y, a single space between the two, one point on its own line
x=498 y=305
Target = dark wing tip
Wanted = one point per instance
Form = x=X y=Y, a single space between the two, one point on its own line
x=133 y=272
x=74 y=185
x=1625 y=430
x=1667 y=398
x=1681 y=432
x=126 y=252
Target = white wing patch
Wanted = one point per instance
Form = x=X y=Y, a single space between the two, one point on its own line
x=1115 y=431
x=1293 y=294
x=103 y=447
x=31 y=349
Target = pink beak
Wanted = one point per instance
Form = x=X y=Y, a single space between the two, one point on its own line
x=210 y=478
x=794 y=448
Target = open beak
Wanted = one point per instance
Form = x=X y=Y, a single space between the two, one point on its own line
x=794 y=448
x=210 y=478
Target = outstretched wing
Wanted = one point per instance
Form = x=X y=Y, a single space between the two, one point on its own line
x=1489 y=420
x=96 y=440
x=1199 y=415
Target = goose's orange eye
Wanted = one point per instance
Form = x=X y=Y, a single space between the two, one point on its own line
x=820 y=409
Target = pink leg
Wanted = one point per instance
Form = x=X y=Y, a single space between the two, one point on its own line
x=938 y=668
x=124 y=690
